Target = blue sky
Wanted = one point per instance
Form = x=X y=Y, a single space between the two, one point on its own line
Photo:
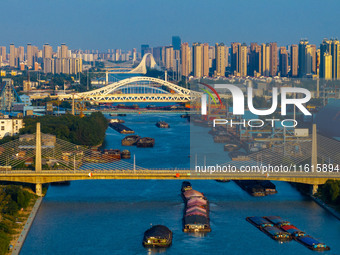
x=106 y=24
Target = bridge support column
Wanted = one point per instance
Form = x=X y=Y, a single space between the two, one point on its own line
x=38 y=189
x=38 y=149
x=314 y=189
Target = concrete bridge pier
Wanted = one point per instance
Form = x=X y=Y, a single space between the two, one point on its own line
x=38 y=189
x=315 y=189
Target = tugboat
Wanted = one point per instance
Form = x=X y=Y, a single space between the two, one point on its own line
x=126 y=154
x=186 y=186
x=157 y=236
x=145 y=142
x=162 y=124
x=130 y=140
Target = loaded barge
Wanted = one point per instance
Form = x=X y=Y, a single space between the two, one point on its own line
x=121 y=128
x=297 y=234
x=157 y=236
x=196 y=211
x=268 y=228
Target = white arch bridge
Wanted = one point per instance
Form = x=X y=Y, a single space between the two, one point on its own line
x=136 y=89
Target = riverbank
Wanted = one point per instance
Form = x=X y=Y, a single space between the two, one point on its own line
x=21 y=238
x=326 y=207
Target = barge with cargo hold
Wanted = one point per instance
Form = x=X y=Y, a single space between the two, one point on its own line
x=130 y=140
x=121 y=128
x=157 y=236
x=297 y=234
x=269 y=229
x=196 y=211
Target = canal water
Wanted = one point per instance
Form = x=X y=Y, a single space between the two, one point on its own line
x=110 y=216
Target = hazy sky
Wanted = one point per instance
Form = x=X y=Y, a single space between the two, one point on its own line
x=109 y=24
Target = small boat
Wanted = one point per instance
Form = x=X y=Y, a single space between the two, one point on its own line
x=162 y=124
x=112 y=154
x=130 y=140
x=121 y=114
x=231 y=147
x=113 y=114
x=238 y=156
x=125 y=154
x=157 y=236
x=145 y=142
x=186 y=186
x=117 y=121
x=312 y=243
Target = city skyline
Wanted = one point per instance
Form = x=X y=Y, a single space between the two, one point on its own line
x=88 y=25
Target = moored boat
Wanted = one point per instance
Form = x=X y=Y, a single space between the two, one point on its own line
x=125 y=154
x=238 y=156
x=162 y=124
x=130 y=140
x=117 y=121
x=259 y=222
x=145 y=142
x=157 y=236
x=112 y=154
x=231 y=147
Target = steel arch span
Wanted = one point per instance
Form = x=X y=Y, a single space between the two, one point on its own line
x=113 y=92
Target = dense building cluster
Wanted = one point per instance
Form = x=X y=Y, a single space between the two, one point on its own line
x=197 y=60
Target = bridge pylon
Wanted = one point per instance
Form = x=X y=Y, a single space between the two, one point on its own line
x=314 y=158
x=38 y=186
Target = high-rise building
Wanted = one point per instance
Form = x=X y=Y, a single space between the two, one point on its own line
x=64 y=51
x=145 y=49
x=12 y=56
x=205 y=59
x=327 y=66
x=185 y=59
x=294 y=60
x=254 y=59
x=47 y=51
x=234 y=57
x=29 y=55
x=303 y=58
x=134 y=54
x=329 y=49
x=220 y=55
x=3 y=52
x=169 y=58
x=243 y=60
x=273 y=59
x=21 y=54
x=283 y=59
x=176 y=42
x=157 y=54
x=197 y=59
x=265 y=59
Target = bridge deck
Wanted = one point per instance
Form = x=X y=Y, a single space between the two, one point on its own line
x=48 y=176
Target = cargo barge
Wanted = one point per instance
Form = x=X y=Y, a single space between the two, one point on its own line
x=145 y=142
x=157 y=236
x=269 y=229
x=312 y=243
x=257 y=188
x=297 y=234
x=196 y=211
x=125 y=154
x=130 y=140
x=121 y=128
x=162 y=124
